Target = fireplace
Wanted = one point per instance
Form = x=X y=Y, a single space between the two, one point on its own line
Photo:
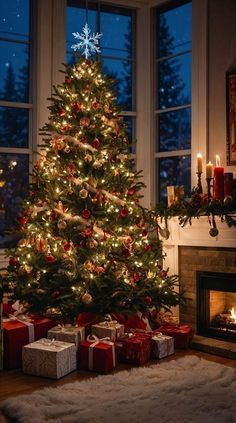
x=216 y=305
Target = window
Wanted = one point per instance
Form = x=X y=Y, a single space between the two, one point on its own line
x=173 y=60
x=15 y=111
x=117 y=48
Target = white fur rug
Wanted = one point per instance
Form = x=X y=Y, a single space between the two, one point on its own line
x=186 y=390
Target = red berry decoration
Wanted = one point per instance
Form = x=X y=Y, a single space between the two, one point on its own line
x=22 y=220
x=148 y=300
x=77 y=107
x=144 y=233
x=55 y=294
x=131 y=191
x=68 y=80
x=96 y=143
x=50 y=258
x=71 y=168
x=136 y=200
x=136 y=276
x=67 y=246
x=148 y=247
x=124 y=212
x=13 y=261
x=86 y=214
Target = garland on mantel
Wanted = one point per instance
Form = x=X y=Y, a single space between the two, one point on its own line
x=197 y=206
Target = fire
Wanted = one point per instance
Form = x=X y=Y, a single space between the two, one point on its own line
x=233 y=313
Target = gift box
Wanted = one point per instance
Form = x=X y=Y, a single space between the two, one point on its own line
x=52 y=359
x=162 y=346
x=18 y=332
x=72 y=334
x=182 y=334
x=110 y=329
x=137 y=321
x=97 y=354
x=134 y=348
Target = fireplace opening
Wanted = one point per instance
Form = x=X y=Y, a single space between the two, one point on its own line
x=216 y=305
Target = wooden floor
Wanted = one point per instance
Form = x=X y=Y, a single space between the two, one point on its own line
x=14 y=382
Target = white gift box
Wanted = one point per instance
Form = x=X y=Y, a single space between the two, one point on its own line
x=53 y=359
x=108 y=329
x=71 y=334
x=162 y=346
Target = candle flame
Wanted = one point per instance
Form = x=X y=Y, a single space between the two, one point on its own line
x=199 y=155
x=217 y=160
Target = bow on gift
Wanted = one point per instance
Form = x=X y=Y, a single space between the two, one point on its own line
x=19 y=308
x=108 y=321
x=26 y=320
x=94 y=341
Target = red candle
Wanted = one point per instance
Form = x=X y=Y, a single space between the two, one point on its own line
x=218 y=184
x=228 y=184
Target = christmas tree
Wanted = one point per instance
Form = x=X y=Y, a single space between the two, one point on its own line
x=85 y=241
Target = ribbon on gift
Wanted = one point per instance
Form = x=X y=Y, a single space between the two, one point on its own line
x=26 y=320
x=108 y=322
x=145 y=320
x=169 y=346
x=94 y=341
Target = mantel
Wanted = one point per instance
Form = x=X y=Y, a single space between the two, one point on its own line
x=198 y=235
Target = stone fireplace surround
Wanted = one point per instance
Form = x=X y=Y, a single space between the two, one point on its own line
x=191 y=249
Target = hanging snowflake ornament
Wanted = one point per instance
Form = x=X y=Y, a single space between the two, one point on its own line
x=87 y=41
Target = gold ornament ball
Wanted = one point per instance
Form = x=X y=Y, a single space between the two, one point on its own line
x=83 y=193
x=87 y=298
x=62 y=224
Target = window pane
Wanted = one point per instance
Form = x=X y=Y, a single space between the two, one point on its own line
x=174 y=130
x=14 y=127
x=174 y=30
x=121 y=72
x=131 y=132
x=14 y=19
x=174 y=76
x=14 y=175
x=117 y=34
x=14 y=71
x=174 y=171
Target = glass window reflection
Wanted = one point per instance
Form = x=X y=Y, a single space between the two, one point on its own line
x=174 y=129
x=14 y=127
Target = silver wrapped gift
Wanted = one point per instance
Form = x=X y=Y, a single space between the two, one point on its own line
x=108 y=329
x=162 y=346
x=71 y=334
x=53 y=359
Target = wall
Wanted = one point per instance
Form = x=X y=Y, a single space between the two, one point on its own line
x=222 y=58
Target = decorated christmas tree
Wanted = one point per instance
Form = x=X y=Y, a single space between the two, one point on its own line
x=85 y=241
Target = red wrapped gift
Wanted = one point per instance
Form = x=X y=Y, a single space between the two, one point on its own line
x=182 y=334
x=96 y=354
x=87 y=320
x=134 y=348
x=17 y=333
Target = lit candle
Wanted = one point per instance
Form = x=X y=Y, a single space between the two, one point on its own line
x=209 y=170
x=199 y=163
x=218 y=184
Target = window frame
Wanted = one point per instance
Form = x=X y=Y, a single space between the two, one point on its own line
x=170 y=5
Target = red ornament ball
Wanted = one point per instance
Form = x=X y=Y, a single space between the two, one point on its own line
x=136 y=276
x=68 y=80
x=95 y=105
x=124 y=212
x=96 y=143
x=22 y=220
x=62 y=112
x=148 y=300
x=136 y=200
x=55 y=294
x=86 y=214
x=163 y=274
x=131 y=191
x=126 y=252
x=148 y=247
x=50 y=258
x=144 y=233
x=77 y=107
x=84 y=121
x=67 y=246
x=88 y=232
x=13 y=261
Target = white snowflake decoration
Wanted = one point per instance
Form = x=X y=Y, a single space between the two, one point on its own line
x=87 y=41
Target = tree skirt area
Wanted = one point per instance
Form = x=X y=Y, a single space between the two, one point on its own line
x=186 y=390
